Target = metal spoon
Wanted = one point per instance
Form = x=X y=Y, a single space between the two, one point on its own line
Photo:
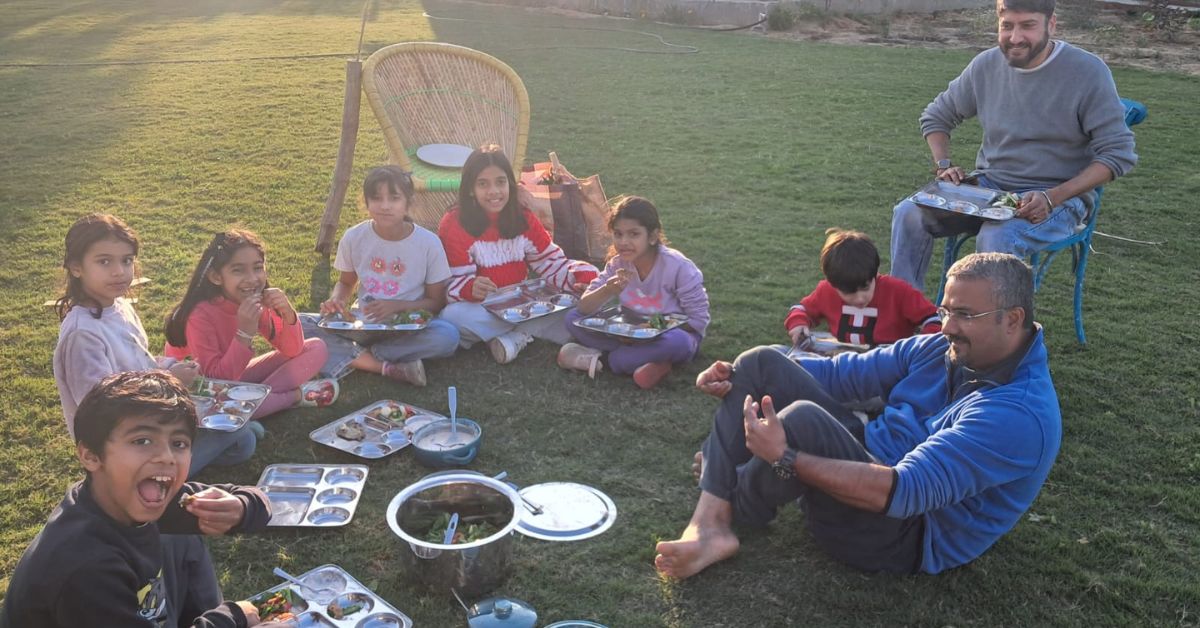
x=451 y=528
x=329 y=594
x=453 y=394
x=530 y=506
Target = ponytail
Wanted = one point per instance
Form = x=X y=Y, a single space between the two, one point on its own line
x=215 y=256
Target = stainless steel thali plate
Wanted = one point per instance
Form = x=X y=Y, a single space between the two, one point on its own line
x=611 y=321
x=330 y=596
x=528 y=300
x=963 y=198
x=376 y=431
x=224 y=405
x=311 y=495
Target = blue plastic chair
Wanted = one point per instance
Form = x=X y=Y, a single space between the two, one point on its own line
x=1080 y=243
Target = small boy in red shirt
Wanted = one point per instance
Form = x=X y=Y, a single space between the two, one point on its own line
x=862 y=306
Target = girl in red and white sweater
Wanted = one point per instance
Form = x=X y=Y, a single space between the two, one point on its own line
x=491 y=242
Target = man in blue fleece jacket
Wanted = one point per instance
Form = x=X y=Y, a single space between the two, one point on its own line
x=970 y=430
x=1053 y=130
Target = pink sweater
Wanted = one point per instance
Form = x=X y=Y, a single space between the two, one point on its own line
x=212 y=339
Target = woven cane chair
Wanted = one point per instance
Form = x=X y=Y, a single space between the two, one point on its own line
x=1080 y=243
x=433 y=93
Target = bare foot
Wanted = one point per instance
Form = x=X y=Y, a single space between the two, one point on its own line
x=698 y=465
x=696 y=549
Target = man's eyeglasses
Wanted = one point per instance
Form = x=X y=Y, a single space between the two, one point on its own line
x=963 y=317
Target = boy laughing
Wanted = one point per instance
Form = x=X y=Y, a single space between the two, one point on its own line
x=120 y=550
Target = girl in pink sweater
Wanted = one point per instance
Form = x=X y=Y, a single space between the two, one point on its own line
x=227 y=304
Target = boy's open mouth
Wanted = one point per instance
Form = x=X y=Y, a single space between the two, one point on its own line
x=154 y=489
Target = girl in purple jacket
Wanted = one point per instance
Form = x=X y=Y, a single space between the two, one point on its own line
x=651 y=281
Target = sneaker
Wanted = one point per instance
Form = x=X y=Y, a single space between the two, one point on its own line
x=648 y=375
x=577 y=357
x=409 y=372
x=319 y=393
x=505 y=347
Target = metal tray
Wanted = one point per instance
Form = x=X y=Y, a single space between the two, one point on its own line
x=823 y=343
x=528 y=300
x=387 y=427
x=415 y=320
x=614 y=322
x=376 y=612
x=224 y=405
x=312 y=495
x=963 y=198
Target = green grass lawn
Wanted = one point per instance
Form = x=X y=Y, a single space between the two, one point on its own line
x=751 y=148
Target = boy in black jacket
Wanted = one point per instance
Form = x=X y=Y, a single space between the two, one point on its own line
x=121 y=549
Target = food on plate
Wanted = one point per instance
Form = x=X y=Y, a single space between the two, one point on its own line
x=277 y=606
x=415 y=317
x=1008 y=199
x=337 y=611
x=392 y=412
x=658 y=322
x=465 y=533
x=351 y=430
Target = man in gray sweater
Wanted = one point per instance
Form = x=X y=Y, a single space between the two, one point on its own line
x=1053 y=131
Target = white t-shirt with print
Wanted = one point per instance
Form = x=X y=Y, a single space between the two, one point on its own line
x=395 y=270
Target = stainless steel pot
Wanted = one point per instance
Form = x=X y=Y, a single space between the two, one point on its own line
x=472 y=568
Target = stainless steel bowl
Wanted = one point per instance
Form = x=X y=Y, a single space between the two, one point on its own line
x=471 y=568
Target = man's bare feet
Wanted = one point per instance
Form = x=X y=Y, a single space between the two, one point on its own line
x=695 y=549
x=707 y=539
x=698 y=465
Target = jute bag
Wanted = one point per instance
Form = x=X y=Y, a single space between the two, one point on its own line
x=574 y=211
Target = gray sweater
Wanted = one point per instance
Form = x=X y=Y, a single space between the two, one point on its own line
x=1041 y=126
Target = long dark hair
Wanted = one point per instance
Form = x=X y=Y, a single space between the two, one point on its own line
x=218 y=253
x=398 y=182
x=87 y=231
x=637 y=209
x=473 y=217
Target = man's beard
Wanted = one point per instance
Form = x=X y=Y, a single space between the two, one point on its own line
x=1034 y=51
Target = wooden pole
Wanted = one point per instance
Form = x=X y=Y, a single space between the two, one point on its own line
x=345 y=156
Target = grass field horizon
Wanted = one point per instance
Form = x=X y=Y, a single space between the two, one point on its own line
x=751 y=148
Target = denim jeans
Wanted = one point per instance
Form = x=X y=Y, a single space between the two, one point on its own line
x=816 y=424
x=914 y=229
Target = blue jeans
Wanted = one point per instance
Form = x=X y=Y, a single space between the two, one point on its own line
x=816 y=424
x=439 y=339
x=914 y=229
x=221 y=448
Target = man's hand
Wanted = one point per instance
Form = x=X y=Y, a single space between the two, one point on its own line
x=765 y=437
x=798 y=333
x=1034 y=207
x=217 y=511
x=482 y=287
x=714 y=380
x=953 y=174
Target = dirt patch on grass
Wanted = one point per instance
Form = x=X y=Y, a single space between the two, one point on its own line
x=1119 y=36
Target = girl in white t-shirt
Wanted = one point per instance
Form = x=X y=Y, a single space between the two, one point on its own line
x=400 y=270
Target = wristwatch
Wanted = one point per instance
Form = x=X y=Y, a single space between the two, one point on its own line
x=785 y=467
x=943 y=164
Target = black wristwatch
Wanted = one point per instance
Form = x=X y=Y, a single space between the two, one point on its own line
x=942 y=164
x=785 y=467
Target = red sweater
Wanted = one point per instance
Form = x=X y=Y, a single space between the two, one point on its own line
x=505 y=261
x=893 y=313
x=212 y=339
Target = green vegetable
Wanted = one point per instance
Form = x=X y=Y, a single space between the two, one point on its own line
x=468 y=533
x=658 y=322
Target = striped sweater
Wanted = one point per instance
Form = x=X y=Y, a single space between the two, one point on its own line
x=505 y=261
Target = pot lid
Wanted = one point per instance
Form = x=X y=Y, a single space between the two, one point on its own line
x=569 y=512
x=576 y=623
x=501 y=612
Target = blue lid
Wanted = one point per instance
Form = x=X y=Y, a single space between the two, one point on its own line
x=501 y=612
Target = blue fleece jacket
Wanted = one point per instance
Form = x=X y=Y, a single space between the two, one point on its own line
x=970 y=465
